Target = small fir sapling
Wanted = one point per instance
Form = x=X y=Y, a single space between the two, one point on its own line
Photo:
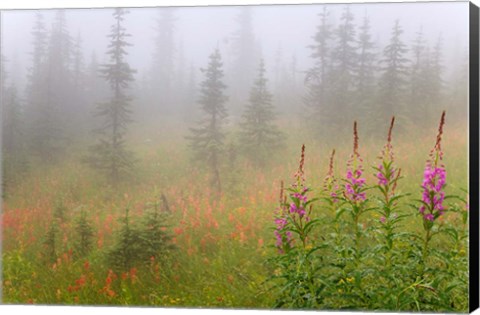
x=155 y=239
x=84 y=234
x=127 y=249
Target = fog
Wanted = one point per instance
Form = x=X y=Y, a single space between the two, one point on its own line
x=200 y=29
x=71 y=77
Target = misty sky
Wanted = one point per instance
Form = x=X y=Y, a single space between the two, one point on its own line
x=200 y=29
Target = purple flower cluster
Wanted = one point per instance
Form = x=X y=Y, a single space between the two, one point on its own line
x=297 y=206
x=353 y=187
x=434 y=180
x=282 y=237
x=382 y=179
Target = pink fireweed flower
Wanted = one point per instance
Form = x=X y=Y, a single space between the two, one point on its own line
x=434 y=180
x=383 y=174
x=382 y=180
x=430 y=217
x=293 y=212
x=299 y=204
x=354 y=182
x=283 y=237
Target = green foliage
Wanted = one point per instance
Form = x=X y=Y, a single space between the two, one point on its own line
x=84 y=234
x=141 y=242
x=393 y=79
x=156 y=241
x=339 y=259
x=60 y=211
x=207 y=140
x=259 y=137
x=48 y=89
x=50 y=243
x=14 y=161
x=110 y=155
x=125 y=253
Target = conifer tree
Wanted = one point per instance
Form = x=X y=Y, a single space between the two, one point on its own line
x=393 y=82
x=164 y=54
x=110 y=154
x=244 y=50
x=79 y=109
x=155 y=239
x=60 y=109
x=126 y=251
x=14 y=162
x=317 y=79
x=432 y=76
x=207 y=140
x=259 y=136
x=50 y=243
x=344 y=61
x=42 y=133
x=417 y=97
x=365 y=87
x=83 y=234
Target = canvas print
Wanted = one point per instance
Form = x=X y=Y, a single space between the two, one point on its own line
x=254 y=157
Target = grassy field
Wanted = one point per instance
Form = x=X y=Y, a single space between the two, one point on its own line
x=223 y=246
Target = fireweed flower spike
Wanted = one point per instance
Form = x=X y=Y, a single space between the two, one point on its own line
x=434 y=181
x=298 y=192
x=283 y=238
x=300 y=173
x=294 y=214
x=330 y=185
x=354 y=181
x=387 y=175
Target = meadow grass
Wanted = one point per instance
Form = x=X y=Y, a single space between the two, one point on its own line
x=222 y=244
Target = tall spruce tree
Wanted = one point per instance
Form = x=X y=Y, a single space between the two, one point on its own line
x=429 y=80
x=60 y=99
x=164 y=54
x=365 y=76
x=244 y=50
x=14 y=160
x=317 y=77
x=434 y=78
x=13 y=144
x=40 y=112
x=78 y=89
x=393 y=80
x=96 y=88
x=344 y=62
x=416 y=84
x=259 y=137
x=207 y=140
x=110 y=154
